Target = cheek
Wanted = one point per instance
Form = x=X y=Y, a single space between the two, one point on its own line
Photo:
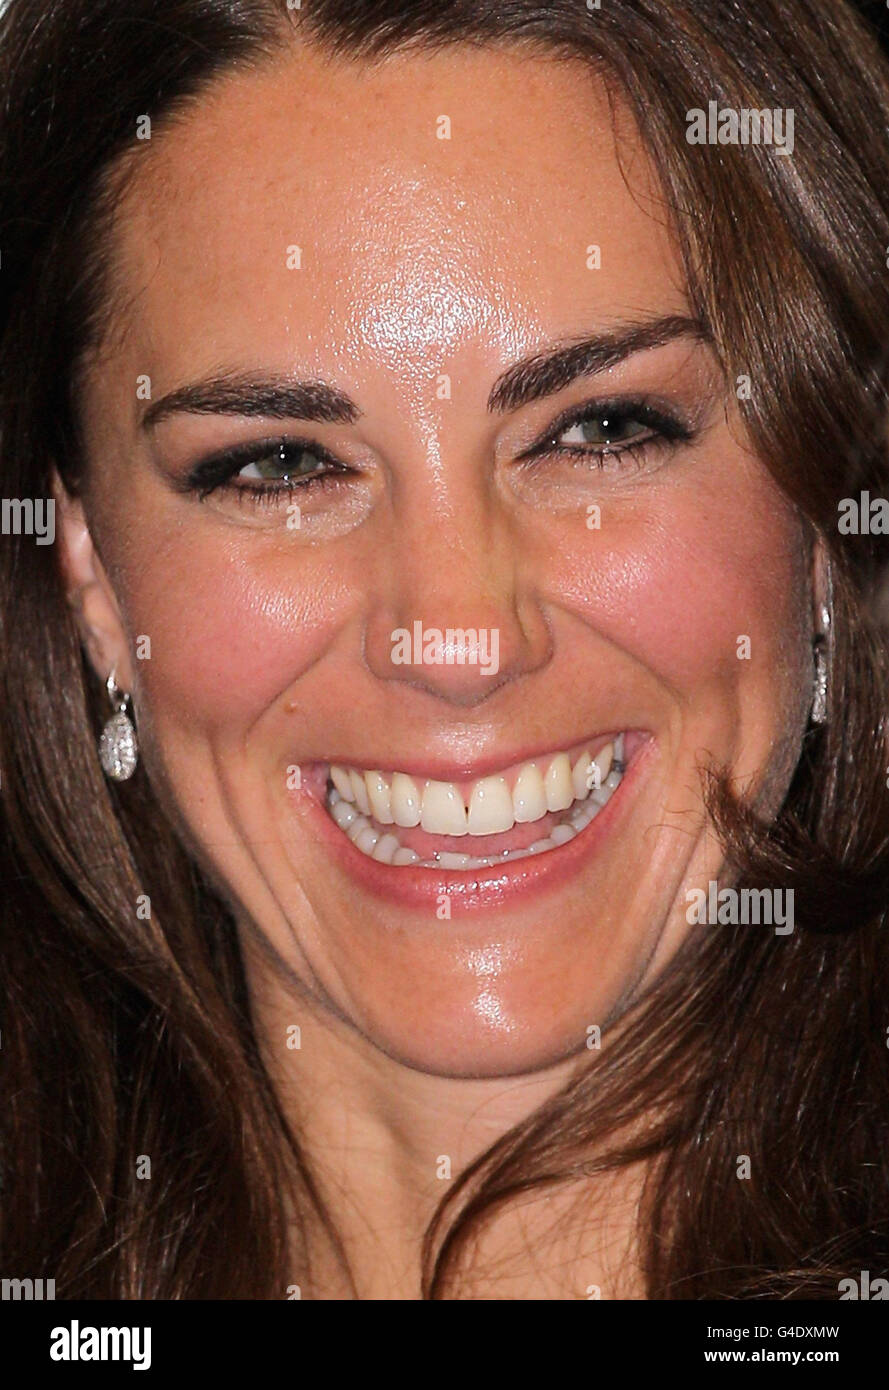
x=232 y=625
x=678 y=586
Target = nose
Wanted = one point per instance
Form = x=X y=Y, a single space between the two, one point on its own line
x=459 y=617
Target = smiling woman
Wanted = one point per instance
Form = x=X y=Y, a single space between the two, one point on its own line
x=485 y=897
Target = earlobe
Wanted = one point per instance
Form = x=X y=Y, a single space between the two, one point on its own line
x=89 y=592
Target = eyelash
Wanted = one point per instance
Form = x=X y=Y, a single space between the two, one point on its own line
x=218 y=472
x=667 y=430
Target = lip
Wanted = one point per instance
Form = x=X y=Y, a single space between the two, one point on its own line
x=438 y=770
x=471 y=891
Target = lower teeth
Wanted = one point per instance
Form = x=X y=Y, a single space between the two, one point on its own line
x=385 y=847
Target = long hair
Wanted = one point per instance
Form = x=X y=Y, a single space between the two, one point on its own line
x=128 y=1034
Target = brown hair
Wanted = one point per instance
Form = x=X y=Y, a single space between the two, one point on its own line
x=124 y=1037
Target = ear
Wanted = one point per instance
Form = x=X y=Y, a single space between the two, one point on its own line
x=89 y=591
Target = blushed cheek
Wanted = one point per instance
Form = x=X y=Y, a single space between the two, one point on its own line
x=228 y=639
x=696 y=603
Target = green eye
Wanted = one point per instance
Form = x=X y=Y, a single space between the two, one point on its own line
x=266 y=469
x=605 y=430
x=609 y=434
x=286 y=463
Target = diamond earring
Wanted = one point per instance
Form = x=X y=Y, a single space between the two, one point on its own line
x=819 y=703
x=118 y=749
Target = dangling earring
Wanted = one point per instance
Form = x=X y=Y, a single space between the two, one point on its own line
x=118 y=749
x=819 y=703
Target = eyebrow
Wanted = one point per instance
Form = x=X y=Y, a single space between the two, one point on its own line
x=533 y=378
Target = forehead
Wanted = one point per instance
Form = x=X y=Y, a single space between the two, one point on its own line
x=391 y=214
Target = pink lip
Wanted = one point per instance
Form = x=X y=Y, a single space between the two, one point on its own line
x=473 y=891
x=437 y=770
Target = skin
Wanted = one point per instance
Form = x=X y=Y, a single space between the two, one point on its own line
x=271 y=647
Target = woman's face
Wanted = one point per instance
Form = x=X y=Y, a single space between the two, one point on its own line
x=415 y=242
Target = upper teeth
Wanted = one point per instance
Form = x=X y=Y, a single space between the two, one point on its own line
x=440 y=808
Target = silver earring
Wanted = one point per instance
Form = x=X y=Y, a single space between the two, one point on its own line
x=118 y=749
x=819 y=703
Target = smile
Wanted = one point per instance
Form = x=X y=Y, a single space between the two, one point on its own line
x=529 y=809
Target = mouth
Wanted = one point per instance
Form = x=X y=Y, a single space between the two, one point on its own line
x=527 y=810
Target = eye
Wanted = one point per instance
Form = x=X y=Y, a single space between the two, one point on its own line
x=287 y=463
x=607 y=429
x=612 y=427
x=265 y=469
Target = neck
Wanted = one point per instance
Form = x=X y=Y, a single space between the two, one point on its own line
x=386 y=1142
